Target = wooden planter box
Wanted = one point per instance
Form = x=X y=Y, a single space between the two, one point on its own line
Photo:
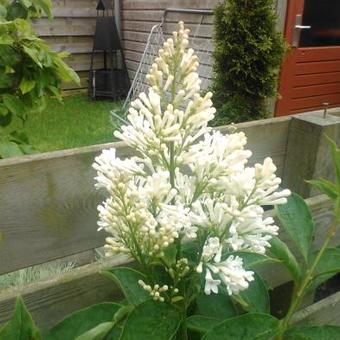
x=48 y=212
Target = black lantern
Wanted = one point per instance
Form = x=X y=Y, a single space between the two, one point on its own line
x=112 y=80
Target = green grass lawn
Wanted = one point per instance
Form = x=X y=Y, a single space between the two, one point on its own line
x=78 y=121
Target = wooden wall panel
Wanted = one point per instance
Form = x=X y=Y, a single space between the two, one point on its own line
x=74 y=23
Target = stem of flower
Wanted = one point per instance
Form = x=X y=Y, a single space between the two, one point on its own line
x=301 y=289
x=183 y=329
x=172 y=164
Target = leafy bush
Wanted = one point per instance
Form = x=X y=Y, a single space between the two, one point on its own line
x=29 y=71
x=248 y=54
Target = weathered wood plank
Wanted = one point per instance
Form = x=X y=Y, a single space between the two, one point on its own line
x=48 y=201
x=74 y=45
x=50 y=300
x=324 y=312
x=162 y=4
x=205 y=31
x=74 y=3
x=155 y=15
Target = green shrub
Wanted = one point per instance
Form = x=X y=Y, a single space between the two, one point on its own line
x=29 y=71
x=247 y=58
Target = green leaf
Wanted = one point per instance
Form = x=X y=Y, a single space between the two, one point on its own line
x=16 y=10
x=6 y=119
x=9 y=69
x=26 y=85
x=336 y=158
x=245 y=327
x=127 y=279
x=201 y=324
x=97 y=333
x=33 y=54
x=9 y=149
x=14 y=104
x=83 y=320
x=326 y=187
x=313 y=333
x=256 y=296
x=3 y=110
x=21 y=326
x=151 y=320
x=297 y=221
x=280 y=250
x=3 y=11
x=327 y=267
x=170 y=255
x=218 y=306
x=46 y=6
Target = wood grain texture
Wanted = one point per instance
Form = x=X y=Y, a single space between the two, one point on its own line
x=48 y=201
x=324 y=312
x=50 y=300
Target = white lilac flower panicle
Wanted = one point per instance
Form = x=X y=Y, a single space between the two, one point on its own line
x=187 y=183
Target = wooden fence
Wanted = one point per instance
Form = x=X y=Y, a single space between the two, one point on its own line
x=73 y=26
x=72 y=30
x=48 y=210
x=138 y=17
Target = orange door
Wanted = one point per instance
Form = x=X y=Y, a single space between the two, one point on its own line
x=310 y=75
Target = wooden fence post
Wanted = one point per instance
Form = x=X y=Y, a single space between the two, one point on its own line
x=308 y=152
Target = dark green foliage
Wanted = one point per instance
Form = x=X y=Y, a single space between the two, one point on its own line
x=248 y=54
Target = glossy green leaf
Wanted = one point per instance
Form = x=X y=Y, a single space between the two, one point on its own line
x=152 y=320
x=328 y=266
x=83 y=320
x=280 y=250
x=244 y=327
x=201 y=324
x=21 y=326
x=127 y=279
x=256 y=296
x=313 y=333
x=218 y=306
x=296 y=219
x=97 y=333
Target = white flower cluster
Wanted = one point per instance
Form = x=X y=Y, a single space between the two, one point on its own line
x=155 y=291
x=187 y=184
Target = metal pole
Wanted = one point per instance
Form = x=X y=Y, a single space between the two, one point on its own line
x=117 y=16
x=186 y=10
